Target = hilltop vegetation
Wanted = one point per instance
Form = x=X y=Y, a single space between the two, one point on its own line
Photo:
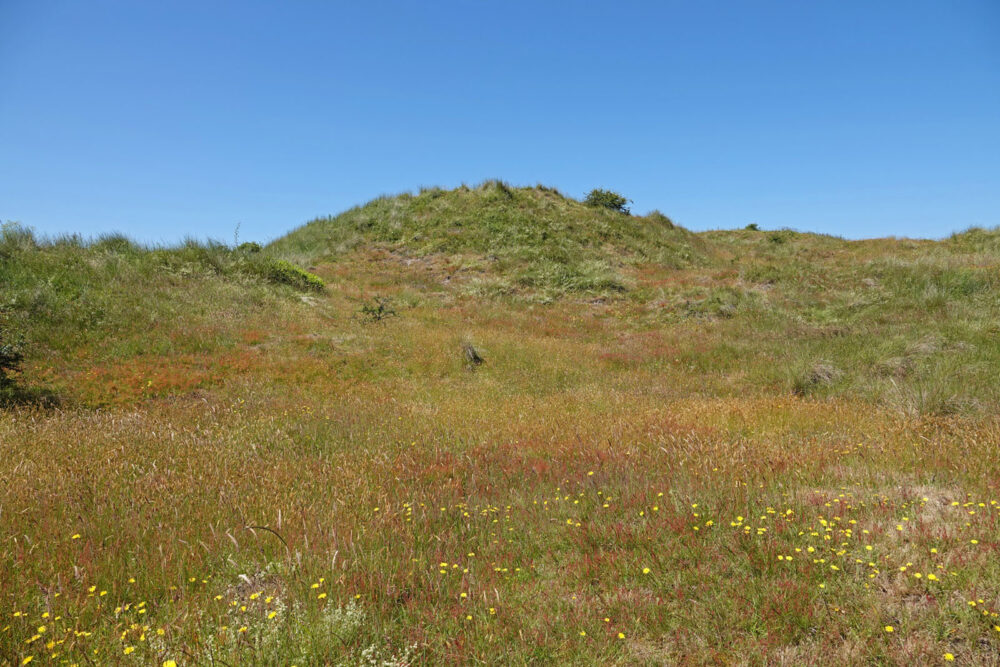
x=726 y=447
x=509 y=239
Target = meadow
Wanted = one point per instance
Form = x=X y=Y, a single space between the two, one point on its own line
x=730 y=447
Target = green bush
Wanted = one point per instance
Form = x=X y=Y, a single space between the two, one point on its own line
x=607 y=199
x=285 y=273
x=249 y=247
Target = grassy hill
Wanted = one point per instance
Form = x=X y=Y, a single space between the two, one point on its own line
x=511 y=239
x=70 y=303
x=723 y=447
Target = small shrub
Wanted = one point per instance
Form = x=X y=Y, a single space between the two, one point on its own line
x=249 y=248
x=752 y=227
x=378 y=310
x=285 y=273
x=607 y=199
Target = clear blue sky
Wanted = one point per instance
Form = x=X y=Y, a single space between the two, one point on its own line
x=166 y=119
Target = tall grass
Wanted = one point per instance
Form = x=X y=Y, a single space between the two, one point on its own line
x=113 y=298
x=770 y=452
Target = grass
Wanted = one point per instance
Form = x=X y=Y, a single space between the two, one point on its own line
x=511 y=239
x=84 y=306
x=746 y=456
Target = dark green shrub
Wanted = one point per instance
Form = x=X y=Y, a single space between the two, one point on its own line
x=607 y=199
x=752 y=227
x=250 y=248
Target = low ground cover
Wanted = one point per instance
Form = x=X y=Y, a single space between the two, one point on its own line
x=776 y=451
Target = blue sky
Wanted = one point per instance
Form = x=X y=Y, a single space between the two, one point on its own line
x=176 y=118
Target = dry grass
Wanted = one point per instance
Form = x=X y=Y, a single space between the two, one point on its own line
x=627 y=480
